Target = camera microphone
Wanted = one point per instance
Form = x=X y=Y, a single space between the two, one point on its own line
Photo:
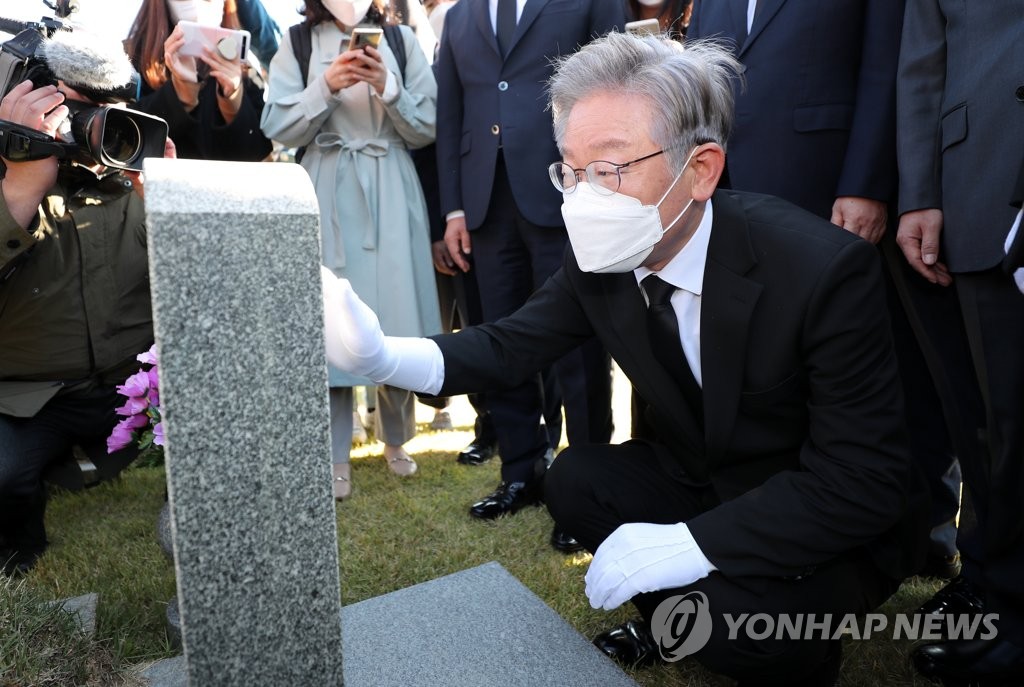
x=99 y=70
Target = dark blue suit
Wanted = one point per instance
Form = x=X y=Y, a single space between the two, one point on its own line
x=816 y=116
x=494 y=144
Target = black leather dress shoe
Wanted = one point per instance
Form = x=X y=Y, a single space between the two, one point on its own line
x=630 y=644
x=957 y=597
x=986 y=662
x=16 y=563
x=508 y=498
x=477 y=453
x=562 y=541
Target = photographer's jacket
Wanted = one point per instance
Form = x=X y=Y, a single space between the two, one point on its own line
x=74 y=291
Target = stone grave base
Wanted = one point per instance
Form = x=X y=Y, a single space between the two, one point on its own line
x=476 y=627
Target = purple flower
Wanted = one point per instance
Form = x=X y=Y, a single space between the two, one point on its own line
x=123 y=432
x=158 y=434
x=136 y=385
x=149 y=356
x=133 y=406
x=154 y=397
x=154 y=378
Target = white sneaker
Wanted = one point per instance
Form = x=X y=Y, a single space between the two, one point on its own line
x=442 y=421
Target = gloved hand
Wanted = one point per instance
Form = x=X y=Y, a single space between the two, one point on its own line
x=643 y=557
x=356 y=344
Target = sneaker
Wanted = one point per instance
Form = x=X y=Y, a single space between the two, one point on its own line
x=342 y=480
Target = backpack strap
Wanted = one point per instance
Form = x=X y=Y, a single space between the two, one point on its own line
x=393 y=34
x=301 y=36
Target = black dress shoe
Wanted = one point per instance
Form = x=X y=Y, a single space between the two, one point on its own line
x=956 y=598
x=630 y=644
x=477 y=453
x=17 y=563
x=941 y=567
x=562 y=541
x=972 y=661
x=508 y=498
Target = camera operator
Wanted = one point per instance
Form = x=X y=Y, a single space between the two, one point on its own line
x=74 y=311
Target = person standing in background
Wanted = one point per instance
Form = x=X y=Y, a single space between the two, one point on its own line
x=358 y=113
x=494 y=134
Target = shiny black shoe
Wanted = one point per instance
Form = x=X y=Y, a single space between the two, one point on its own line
x=956 y=598
x=507 y=499
x=630 y=644
x=986 y=662
x=941 y=567
x=562 y=541
x=478 y=452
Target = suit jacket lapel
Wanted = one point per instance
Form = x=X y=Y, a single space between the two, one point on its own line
x=727 y=304
x=530 y=12
x=482 y=12
x=765 y=11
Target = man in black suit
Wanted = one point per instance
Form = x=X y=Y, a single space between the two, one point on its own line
x=777 y=478
x=493 y=142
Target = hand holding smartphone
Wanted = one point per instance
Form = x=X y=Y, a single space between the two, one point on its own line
x=363 y=36
x=229 y=43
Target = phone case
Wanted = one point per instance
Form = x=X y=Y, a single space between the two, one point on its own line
x=198 y=36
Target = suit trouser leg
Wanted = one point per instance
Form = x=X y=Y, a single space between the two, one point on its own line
x=505 y=277
x=591 y=490
x=341 y=404
x=994 y=316
x=934 y=316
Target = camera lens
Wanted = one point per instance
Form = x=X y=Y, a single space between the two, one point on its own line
x=122 y=140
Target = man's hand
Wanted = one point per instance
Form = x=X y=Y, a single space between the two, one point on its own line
x=26 y=183
x=918 y=236
x=643 y=557
x=861 y=216
x=443 y=262
x=170 y=151
x=456 y=238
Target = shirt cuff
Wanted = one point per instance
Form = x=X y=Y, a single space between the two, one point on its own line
x=390 y=93
x=454 y=214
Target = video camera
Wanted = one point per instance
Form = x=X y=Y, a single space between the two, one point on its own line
x=44 y=52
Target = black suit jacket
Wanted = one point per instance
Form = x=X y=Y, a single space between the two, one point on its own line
x=803 y=440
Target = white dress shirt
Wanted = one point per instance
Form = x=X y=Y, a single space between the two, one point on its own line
x=685 y=271
x=751 y=7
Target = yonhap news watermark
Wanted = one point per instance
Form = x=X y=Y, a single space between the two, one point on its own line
x=683 y=624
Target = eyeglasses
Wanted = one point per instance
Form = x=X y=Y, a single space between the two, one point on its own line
x=605 y=177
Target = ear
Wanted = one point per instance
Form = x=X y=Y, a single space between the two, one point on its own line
x=708 y=163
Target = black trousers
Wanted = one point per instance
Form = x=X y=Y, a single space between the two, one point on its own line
x=591 y=490
x=512 y=257
x=993 y=312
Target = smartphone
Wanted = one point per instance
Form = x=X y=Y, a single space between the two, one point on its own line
x=643 y=26
x=229 y=43
x=363 y=36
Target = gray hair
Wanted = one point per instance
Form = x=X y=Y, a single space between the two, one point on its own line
x=689 y=87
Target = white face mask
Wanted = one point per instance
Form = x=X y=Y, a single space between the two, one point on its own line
x=650 y=3
x=614 y=233
x=348 y=12
x=205 y=12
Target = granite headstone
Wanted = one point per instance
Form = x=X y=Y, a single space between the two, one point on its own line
x=234 y=266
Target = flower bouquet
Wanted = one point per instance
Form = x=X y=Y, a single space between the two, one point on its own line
x=140 y=423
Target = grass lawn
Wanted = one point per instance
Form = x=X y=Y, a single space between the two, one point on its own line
x=393 y=533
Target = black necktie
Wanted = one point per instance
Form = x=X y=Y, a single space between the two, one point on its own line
x=663 y=331
x=506 y=24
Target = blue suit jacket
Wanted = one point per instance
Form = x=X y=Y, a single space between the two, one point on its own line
x=484 y=100
x=816 y=118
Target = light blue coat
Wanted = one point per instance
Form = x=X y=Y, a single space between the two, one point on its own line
x=374 y=226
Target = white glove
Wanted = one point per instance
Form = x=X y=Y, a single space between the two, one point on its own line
x=643 y=557
x=356 y=344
